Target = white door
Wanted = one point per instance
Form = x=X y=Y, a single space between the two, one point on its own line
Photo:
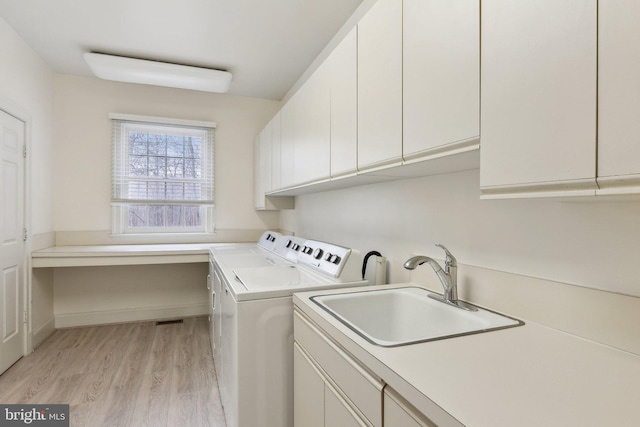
x=11 y=243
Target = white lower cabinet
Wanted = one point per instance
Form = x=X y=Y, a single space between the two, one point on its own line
x=316 y=402
x=308 y=385
x=337 y=412
x=398 y=413
x=330 y=388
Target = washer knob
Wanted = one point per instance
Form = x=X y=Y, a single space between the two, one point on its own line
x=318 y=253
x=327 y=257
x=289 y=242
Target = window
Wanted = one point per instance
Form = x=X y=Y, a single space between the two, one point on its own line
x=162 y=180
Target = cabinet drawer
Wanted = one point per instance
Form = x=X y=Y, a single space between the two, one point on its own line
x=363 y=389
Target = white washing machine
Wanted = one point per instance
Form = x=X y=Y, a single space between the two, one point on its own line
x=256 y=357
x=272 y=249
x=248 y=254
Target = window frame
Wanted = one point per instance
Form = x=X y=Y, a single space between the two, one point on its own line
x=121 y=198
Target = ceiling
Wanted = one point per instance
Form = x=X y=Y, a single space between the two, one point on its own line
x=266 y=44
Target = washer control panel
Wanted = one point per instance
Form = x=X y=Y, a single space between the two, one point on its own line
x=268 y=240
x=289 y=247
x=324 y=257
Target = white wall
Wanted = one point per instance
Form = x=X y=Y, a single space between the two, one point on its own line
x=591 y=244
x=113 y=294
x=83 y=148
x=26 y=91
x=82 y=212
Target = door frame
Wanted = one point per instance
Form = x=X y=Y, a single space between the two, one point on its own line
x=22 y=115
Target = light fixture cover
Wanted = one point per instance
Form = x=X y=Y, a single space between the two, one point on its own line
x=131 y=70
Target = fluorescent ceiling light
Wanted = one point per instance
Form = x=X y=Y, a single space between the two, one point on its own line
x=131 y=70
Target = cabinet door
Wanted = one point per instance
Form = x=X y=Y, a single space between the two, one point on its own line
x=337 y=411
x=258 y=190
x=275 y=152
x=262 y=166
x=288 y=135
x=308 y=386
x=619 y=94
x=344 y=100
x=441 y=76
x=312 y=147
x=380 y=85
x=538 y=124
x=397 y=413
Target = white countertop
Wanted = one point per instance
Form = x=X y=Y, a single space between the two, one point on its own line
x=530 y=375
x=70 y=256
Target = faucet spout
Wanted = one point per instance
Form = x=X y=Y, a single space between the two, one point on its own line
x=417 y=260
x=448 y=277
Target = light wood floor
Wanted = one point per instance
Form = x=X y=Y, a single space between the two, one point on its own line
x=135 y=374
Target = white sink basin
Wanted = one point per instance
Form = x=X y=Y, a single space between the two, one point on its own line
x=401 y=316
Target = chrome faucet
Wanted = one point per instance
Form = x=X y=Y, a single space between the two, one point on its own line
x=448 y=277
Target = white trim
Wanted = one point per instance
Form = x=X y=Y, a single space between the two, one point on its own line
x=44 y=332
x=130 y=315
x=22 y=115
x=162 y=120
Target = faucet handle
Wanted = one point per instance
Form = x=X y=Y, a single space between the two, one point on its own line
x=450 y=261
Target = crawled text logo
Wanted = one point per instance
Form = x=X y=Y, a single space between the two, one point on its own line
x=34 y=415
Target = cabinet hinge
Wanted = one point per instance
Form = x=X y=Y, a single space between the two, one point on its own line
x=25 y=316
x=24 y=234
x=24 y=151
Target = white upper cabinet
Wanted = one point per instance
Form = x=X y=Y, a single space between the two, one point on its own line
x=441 y=77
x=311 y=161
x=380 y=85
x=267 y=168
x=288 y=135
x=344 y=102
x=538 y=85
x=275 y=152
x=619 y=96
x=262 y=166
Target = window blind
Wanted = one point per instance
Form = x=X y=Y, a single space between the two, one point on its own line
x=158 y=162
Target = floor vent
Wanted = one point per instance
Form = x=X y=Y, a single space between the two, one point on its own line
x=169 y=322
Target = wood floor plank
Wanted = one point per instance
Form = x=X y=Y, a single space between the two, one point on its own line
x=153 y=401
x=77 y=369
x=37 y=382
x=116 y=409
x=136 y=374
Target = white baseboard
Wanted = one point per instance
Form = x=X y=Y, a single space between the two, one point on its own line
x=43 y=332
x=70 y=320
